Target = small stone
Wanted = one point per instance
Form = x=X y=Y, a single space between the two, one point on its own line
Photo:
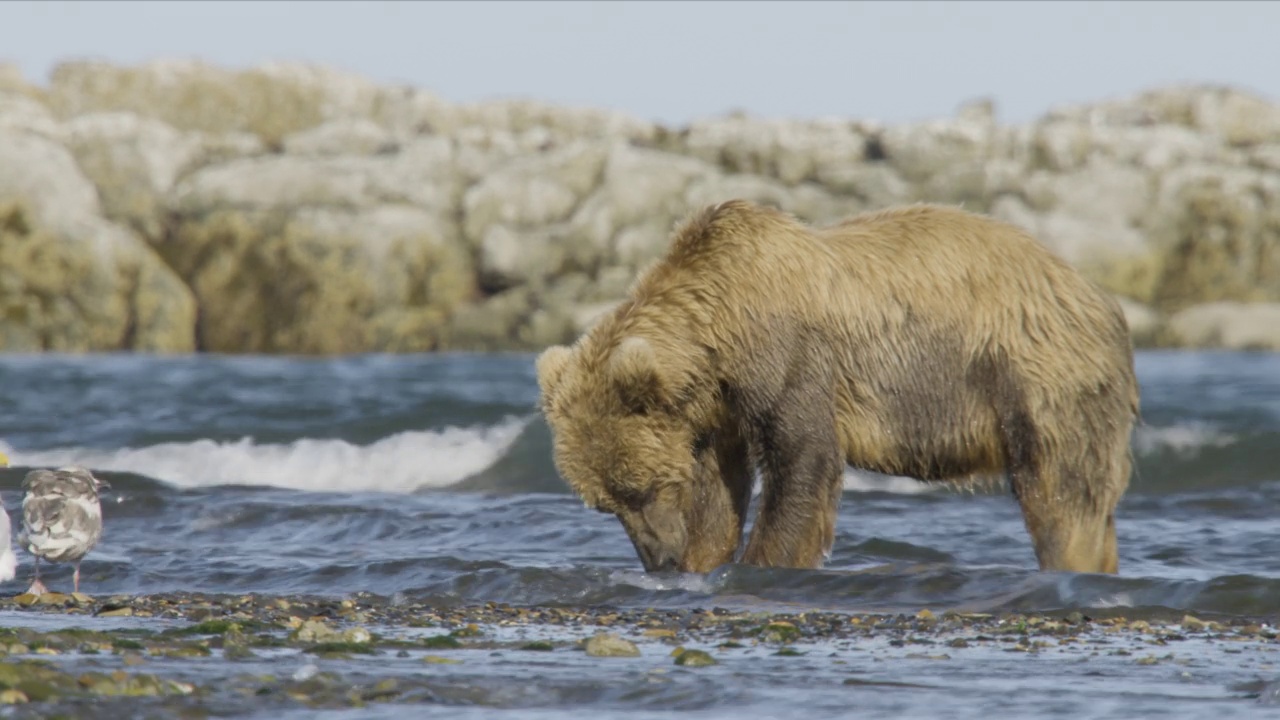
x=438 y=660
x=609 y=645
x=53 y=598
x=27 y=599
x=117 y=612
x=357 y=635
x=1148 y=660
x=314 y=631
x=237 y=651
x=47 y=651
x=180 y=688
x=925 y=615
x=659 y=633
x=695 y=658
x=1140 y=626
x=12 y=697
x=1192 y=624
x=282 y=604
x=441 y=641
x=958 y=643
x=81 y=599
x=779 y=632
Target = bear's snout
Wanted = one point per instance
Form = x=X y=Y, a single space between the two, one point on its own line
x=657 y=558
x=659 y=547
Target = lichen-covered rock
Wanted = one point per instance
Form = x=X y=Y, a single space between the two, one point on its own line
x=1092 y=217
x=512 y=215
x=61 y=293
x=1216 y=233
x=320 y=280
x=134 y=162
x=346 y=136
x=628 y=219
x=25 y=111
x=935 y=154
x=1144 y=323
x=270 y=101
x=492 y=323
x=610 y=645
x=1230 y=325
x=422 y=177
x=788 y=151
x=321 y=255
x=341 y=215
x=69 y=279
x=530 y=118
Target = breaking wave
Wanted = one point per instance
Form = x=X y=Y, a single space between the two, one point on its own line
x=514 y=455
x=402 y=462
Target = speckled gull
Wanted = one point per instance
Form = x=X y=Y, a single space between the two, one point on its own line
x=8 y=561
x=61 y=517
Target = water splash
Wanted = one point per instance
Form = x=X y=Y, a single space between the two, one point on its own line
x=1182 y=439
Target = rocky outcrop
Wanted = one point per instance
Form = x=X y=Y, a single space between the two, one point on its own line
x=288 y=208
x=1234 y=326
x=70 y=280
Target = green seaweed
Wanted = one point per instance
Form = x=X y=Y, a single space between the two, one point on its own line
x=341 y=647
x=441 y=641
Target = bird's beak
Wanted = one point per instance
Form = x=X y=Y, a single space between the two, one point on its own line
x=4 y=460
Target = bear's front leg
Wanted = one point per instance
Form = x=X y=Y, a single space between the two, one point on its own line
x=803 y=472
x=718 y=506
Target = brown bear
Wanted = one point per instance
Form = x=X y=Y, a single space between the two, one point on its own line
x=923 y=341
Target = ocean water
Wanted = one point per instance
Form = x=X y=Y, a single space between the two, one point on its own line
x=429 y=478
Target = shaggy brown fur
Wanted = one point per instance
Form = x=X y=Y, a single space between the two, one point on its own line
x=922 y=341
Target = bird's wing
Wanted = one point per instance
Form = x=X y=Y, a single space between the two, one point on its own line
x=38 y=480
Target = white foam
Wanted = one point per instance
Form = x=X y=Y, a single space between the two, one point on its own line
x=859 y=481
x=1118 y=600
x=1182 y=439
x=399 y=463
x=862 y=481
x=688 y=582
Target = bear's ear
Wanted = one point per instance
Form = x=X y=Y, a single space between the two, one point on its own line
x=550 y=367
x=634 y=370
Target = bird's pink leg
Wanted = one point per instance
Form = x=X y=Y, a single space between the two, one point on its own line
x=37 y=587
x=76 y=576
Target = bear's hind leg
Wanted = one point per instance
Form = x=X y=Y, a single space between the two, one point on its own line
x=1069 y=509
x=1083 y=543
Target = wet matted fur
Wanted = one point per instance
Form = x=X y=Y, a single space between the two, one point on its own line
x=923 y=341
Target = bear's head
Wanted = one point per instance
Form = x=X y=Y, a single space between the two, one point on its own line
x=621 y=442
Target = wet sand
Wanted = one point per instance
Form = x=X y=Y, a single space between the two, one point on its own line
x=194 y=655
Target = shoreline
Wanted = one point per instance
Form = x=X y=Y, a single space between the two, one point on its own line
x=217 y=652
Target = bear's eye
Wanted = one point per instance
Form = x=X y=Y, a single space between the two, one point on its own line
x=634 y=498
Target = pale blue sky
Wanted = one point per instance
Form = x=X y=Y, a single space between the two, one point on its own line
x=673 y=61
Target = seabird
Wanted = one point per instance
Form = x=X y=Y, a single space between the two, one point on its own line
x=61 y=517
x=8 y=561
